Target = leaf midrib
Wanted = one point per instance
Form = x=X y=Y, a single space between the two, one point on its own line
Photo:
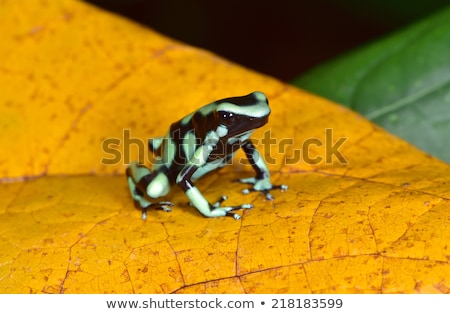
x=392 y=107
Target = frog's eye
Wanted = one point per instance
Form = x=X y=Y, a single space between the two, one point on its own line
x=227 y=117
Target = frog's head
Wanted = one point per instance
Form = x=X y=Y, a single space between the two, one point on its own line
x=238 y=116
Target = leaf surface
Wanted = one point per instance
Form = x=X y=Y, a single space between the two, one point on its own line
x=373 y=218
x=401 y=82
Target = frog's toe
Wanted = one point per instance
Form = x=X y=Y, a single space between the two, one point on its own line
x=227 y=211
x=245 y=206
x=282 y=187
x=266 y=192
x=165 y=206
x=220 y=201
x=235 y=216
x=268 y=195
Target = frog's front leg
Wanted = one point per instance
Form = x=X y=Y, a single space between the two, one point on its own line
x=261 y=182
x=196 y=198
x=143 y=184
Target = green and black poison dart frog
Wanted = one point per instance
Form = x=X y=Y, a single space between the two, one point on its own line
x=203 y=141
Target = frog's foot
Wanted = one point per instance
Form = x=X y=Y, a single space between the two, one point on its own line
x=145 y=205
x=216 y=211
x=261 y=185
x=266 y=192
x=227 y=210
x=220 y=201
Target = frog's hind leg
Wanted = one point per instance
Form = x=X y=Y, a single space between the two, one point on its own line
x=143 y=184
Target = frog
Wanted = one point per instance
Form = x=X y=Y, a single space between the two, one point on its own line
x=201 y=142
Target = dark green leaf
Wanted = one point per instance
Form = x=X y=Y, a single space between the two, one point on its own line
x=401 y=82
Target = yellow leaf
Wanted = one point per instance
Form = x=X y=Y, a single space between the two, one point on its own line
x=369 y=215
